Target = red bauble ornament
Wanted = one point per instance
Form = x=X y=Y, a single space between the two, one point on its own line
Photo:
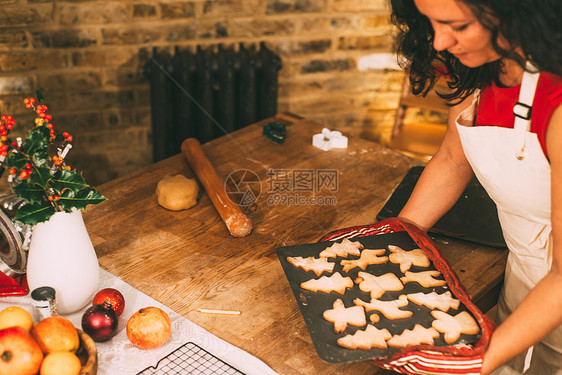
x=113 y=296
x=100 y=322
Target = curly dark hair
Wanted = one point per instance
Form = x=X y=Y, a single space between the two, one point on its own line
x=531 y=25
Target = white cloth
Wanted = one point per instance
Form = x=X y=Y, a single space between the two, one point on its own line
x=119 y=357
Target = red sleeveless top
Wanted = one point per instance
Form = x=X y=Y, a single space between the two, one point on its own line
x=495 y=107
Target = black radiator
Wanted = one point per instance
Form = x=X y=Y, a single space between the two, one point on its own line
x=209 y=92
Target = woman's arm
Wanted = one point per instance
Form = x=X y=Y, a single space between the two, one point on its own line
x=540 y=312
x=443 y=180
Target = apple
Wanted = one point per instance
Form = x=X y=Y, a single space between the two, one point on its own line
x=19 y=353
x=56 y=333
x=149 y=328
x=14 y=316
x=112 y=296
x=61 y=363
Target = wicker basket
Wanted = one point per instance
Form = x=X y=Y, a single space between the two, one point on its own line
x=88 y=354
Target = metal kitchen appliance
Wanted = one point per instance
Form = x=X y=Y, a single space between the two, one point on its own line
x=14 y=245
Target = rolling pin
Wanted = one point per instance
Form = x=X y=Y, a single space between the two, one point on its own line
x=238 y=224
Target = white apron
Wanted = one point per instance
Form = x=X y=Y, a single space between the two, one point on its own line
x=511 y=166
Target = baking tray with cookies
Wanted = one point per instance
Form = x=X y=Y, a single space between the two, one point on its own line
x=383 y=292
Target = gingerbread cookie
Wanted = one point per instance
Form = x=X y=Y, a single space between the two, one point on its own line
x=318 y=265
x=342 y=249
x=336 y=283
x=341 y=316
x=377 y=285
x=371 y=337
x=390 y=309
x=368 y=256
x=433 y=300
x=424 y=278
x=453 y=326
x=406 y=259
x=416 y=336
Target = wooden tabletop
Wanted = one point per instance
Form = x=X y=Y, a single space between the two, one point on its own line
x=188 y=260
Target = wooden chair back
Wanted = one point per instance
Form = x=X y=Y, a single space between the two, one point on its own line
x=420 y=138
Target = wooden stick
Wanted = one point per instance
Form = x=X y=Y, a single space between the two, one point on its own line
x=238 y=224
x=221 y=312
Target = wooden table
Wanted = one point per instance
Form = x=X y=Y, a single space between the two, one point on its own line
x=188 y=260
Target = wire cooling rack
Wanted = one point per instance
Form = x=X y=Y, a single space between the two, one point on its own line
x=190 y=359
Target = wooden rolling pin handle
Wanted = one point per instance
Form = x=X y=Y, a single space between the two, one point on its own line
x=238 y=224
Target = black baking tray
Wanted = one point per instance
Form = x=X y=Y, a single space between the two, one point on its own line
x=473 y=218
x=313 y=304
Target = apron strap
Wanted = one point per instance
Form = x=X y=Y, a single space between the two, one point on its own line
x=523 y=108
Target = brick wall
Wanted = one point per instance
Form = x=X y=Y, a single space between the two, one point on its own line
x=86 y=58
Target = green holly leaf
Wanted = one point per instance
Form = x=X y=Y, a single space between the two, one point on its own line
x=69 y=199
x=33 y=213
x=29 y=191
x=40 y=98
x=64 y=179
x=40 y=176
x=16 y=160
x=36 y=140
x=42 y=130
x=40 y=158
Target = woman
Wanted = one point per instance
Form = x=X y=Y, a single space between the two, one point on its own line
x=496 y=53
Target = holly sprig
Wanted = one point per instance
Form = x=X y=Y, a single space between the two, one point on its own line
x=38 y=172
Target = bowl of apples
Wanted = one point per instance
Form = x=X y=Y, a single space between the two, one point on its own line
x=51 y=346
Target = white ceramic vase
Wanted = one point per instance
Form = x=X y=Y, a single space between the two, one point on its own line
x=61 y=255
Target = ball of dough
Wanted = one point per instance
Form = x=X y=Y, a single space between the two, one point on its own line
x=177 y=192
